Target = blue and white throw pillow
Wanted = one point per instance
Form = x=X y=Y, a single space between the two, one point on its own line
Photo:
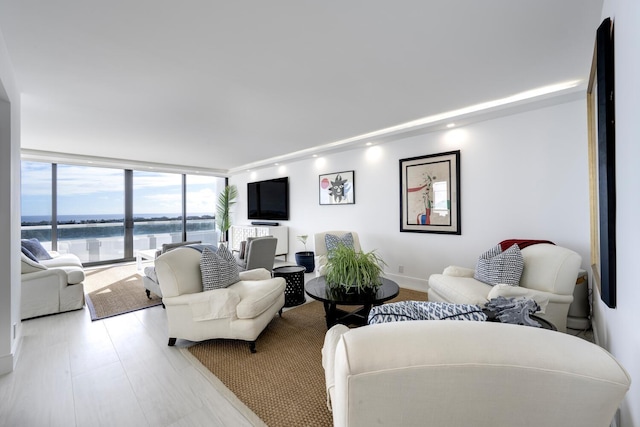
x=34 y=247
x=219 y=269
x=424 y=310
x=496 y=267
x=332 y=242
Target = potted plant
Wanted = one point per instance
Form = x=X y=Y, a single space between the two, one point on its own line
x=306 y=258
x=226 y=199
x=353 y=272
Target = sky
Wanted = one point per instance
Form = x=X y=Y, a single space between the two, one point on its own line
x=86 y=190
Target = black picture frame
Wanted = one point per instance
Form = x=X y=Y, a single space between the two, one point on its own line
x=430 y=194
x=601 y=121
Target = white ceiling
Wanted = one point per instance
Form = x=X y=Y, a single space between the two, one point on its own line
x=225 y=85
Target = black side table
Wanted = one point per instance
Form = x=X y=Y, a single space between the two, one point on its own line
x=294 y=276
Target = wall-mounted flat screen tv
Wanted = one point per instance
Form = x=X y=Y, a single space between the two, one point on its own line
x=268 y=200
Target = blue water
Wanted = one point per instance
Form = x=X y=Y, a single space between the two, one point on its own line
x=99 y=217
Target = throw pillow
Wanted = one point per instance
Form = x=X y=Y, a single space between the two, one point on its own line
x=219 y=269
x=36 y=248
x=497 y=267
x=332 y=242
x=424 y=310
x=28 y=253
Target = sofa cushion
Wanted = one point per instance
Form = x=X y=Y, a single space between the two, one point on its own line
x=460 y=290
x=218 y=269
x=62 y=260
x=28 y=265
x=332 y=241
x=495 y=266
x=35 y=247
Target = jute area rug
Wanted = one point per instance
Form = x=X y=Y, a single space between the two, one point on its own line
x=112 y=291
x=283 y=383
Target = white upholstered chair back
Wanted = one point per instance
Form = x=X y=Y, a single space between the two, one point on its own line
x=321 y=247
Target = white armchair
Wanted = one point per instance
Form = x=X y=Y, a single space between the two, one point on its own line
x=51 y=286
x=549 y=277
x=240 y=311
x=321 y=247
x=465 y=373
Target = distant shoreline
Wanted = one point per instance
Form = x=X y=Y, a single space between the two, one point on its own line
x=43 y=220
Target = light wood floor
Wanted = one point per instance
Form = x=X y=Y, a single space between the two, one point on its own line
x=113 y=372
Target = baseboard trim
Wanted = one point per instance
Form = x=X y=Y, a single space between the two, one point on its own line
x=412 y=283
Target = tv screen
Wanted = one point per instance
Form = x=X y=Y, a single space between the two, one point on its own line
x=268 y=199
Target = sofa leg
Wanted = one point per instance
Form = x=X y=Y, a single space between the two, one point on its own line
x=252 y=346
x=172 y=342
x=148 y=293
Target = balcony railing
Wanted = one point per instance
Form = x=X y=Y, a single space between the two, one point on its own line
x=97 y=242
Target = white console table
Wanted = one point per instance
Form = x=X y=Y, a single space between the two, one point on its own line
x=280 y=232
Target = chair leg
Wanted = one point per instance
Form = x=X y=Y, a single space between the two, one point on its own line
x=148 y=293
x=172 y=342
x=252 y=346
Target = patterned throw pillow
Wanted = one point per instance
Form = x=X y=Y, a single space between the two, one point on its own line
x=219 y=269
x=496 y=267
x=332 y=241
x=424 y=310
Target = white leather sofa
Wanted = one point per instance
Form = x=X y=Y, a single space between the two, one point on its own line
x=51 y=286
x=549 y=277
x=463 y=373
x=240 y=311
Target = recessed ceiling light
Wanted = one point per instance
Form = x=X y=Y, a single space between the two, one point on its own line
x=276 y=164
x=315 y=155
x=450 y=125
x=369 y=144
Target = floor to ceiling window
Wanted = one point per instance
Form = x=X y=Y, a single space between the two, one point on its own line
x=36 y=202
x=157 y=209
x=84 y=209
x=90 y=212
x=201 y=195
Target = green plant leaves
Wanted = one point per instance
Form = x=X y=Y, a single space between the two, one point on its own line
x=226 y=199
x=353 y=271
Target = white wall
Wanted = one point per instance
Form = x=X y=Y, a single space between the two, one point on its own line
x=617 y=329
x=522 y=176
x=9 y=213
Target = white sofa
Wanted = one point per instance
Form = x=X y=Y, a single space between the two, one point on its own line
x=240 y=311
x=549 y=277
x=464 y=373
x=51 y=286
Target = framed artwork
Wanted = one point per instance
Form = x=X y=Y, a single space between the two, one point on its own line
x=602 y=186
x=430 y=193
x=337 y=188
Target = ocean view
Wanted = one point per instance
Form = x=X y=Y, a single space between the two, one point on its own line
x=105 y=218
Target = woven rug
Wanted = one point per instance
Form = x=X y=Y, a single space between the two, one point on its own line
x=283 y=383
x=116 y=290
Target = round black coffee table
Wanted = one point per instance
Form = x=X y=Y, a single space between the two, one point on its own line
x=317 y=289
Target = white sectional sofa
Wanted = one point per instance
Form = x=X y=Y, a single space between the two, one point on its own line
x=51 y=286
x=468 y=373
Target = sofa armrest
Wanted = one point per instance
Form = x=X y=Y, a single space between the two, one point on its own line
x=54 y=275
x=331 y=340
x=455 y=271
x=208 y=305
x=255 y=274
